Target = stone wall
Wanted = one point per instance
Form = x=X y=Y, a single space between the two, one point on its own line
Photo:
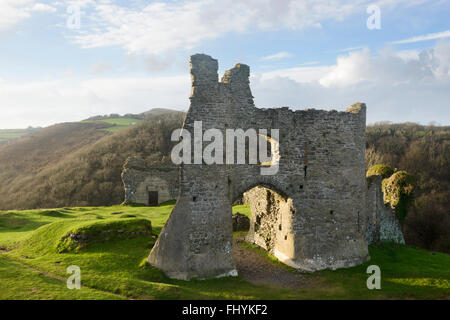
x=270 y=223
x=270 y=220
x=139 y=179
x=321 y=180
x=382 y=224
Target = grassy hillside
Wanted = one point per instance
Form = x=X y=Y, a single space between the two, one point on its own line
x=117 y=124
x=154 y=112
x=79 y=164
x=46 y=147
x=8 y=135
x=32 y=265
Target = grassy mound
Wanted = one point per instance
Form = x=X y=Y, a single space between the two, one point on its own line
x=10 y=222
x=71 y=235
x=103 y=231
x=54 y=213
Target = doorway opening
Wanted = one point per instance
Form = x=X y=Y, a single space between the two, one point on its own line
x=271 y=215
x=153 y=198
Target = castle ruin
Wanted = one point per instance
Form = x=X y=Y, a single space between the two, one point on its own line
x=149 y=185
x=315 y=212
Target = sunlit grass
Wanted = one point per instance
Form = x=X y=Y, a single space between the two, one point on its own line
x=423 y=282
x=244 y=209
x=118 y=265
x=11 y=134
x=118 y=124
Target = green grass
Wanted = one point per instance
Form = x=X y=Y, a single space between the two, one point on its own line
x=11 y=134
x=22 y=283
x=118 y=124
x=116 y=265
x=244 y=209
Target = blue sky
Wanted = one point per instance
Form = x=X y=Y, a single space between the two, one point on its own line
x=130 y=56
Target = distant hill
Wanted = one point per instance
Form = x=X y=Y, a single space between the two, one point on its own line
x=79 y=163
x=138 y=116
x=117 y=122
x=9 y=135
x=47 y=146
x=155 y=112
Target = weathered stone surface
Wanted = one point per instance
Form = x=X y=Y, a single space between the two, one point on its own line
x=320 y=206
x=381 y=223
x=240 y=222
x=267 y=228
x=139 y=180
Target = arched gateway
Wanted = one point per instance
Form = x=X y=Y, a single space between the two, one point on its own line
x=319 y=205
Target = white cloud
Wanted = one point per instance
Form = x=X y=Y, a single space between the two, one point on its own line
x=389 y=67
x=100 y=67
x=13 y=12
x=300 y=74
x=396 y=86
x=162 y=26
x=408 y=55
x=309 y=63
x=351 y=49
x=42 y=7
x=277 y=56
x=350 y=69
x=426 y=37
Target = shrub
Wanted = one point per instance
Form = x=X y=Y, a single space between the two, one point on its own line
x=398 y=191
x=428 y=223
x=380 y=170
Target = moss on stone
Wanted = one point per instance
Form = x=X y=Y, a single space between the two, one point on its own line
x=380 y=170
x=398 y=191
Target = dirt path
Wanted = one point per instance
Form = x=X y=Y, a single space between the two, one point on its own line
x=258 y=270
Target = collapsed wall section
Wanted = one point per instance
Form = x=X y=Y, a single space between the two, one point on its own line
x=144 y=184
x=382 y=224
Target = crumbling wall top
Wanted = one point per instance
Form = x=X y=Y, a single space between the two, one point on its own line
x=204 y=70
x=357 y=107
x=240 y=73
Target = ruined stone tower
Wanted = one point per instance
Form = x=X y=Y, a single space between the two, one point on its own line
x=313 y=216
